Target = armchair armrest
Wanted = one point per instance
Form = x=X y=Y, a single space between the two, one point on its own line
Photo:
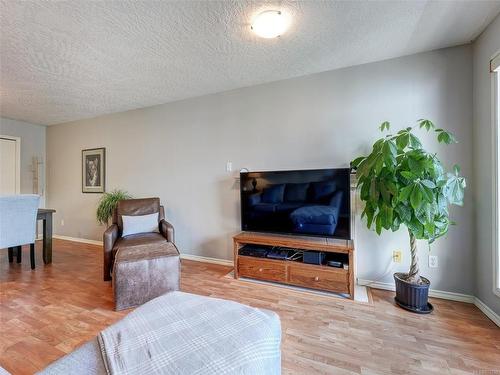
x=109 y=238
x=167 y=230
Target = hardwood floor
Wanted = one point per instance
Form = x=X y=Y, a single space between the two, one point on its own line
x=50 y=311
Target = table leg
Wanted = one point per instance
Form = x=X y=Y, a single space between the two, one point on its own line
x=47 y=239
x=11 y=254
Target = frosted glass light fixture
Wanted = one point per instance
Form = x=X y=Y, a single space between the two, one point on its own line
x=270 y=24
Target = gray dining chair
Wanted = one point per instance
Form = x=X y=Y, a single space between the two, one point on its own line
x=18 y=224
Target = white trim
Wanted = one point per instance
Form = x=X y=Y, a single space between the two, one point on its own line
x=17 y=140
x=495 y=120
x=495 y=62
x=487 y=311
x=75 y=239
x=432 y=292
x=199 y=258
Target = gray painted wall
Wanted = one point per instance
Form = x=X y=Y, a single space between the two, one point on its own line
x=32 y=144
x=178 y=151
x=484 y=48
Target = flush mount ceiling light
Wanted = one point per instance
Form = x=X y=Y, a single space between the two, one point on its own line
x=270 y=24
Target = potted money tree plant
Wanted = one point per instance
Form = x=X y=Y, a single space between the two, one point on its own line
x=402 y=184
x=107 y=204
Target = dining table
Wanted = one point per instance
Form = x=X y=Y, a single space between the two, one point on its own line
x=45 y=214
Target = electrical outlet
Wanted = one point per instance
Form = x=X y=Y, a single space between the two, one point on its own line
x=397 y=256
x=433 y=261
x=229 y=166
x=62 y=223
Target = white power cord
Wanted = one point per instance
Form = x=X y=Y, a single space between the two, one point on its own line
x=389 y=269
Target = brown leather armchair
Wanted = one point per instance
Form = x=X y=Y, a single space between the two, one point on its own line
x=131 y=207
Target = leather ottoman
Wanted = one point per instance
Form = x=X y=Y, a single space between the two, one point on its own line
x=144 y=272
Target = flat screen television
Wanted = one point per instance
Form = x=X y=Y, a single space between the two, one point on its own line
x=312 y=202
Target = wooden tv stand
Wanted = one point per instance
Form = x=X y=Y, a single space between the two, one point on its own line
x=338 y=280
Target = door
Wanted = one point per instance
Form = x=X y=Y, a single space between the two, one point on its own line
x=9 y=165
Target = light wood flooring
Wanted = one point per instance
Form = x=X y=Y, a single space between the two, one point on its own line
x=50 y=311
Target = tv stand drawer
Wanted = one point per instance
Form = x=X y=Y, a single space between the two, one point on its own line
x=263 y=269
x=335 y=280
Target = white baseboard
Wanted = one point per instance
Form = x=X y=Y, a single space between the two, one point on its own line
x=443 y=295
x=432 y=292
x=487 y=311
x=198 y=258
x=75 y=239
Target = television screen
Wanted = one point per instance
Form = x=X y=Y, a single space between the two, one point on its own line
x=304 y=202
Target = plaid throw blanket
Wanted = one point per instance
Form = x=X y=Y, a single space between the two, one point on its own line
x=180 y=333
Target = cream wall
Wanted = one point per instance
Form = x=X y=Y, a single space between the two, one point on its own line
x=485 y=47
x=178 y=151
x=32 y=144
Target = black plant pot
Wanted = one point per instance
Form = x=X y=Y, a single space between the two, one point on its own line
x=413 y=297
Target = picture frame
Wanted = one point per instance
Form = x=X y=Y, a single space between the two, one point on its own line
x=94 y=170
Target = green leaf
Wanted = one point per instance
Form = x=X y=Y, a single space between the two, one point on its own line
x=389 y=151
x=446 y=137
x=391 y=186
x=389 y=212
x=429 y=184
x=402 y=141
x=415 y=142
x=379 y=164
x=374 y=192
x=427 y=193
x=355 y=162
x=369 y=215
x=416 y=198
x=365 y=191
x=405 y=192
x=404 y=213
x=454 y=190
x=378 y=224
x=427 y=124
x=384 y=125
x=416 y=166
x=386 y=195
x=408 y=175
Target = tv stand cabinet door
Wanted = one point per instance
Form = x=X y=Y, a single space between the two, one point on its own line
x=334 y=280
x=262 y=269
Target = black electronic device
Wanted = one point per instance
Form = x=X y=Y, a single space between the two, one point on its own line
x=335 y=263
x=278 y=253
x=254 y=251
x=313 y=257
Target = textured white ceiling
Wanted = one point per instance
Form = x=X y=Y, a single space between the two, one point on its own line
x=67 y=60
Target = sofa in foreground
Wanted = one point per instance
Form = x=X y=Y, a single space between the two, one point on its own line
x=181 y=333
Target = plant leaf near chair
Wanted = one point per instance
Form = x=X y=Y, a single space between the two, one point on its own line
x=403 y=184
x=107 y=204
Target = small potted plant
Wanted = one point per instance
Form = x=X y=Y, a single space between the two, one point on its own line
x=107 y=204
x=402 y=184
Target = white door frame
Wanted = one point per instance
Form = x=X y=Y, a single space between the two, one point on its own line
x=18 y=160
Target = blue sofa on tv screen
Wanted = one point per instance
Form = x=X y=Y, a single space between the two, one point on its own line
x=307 y=208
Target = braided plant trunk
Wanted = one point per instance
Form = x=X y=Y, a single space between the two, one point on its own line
x=414 y=274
